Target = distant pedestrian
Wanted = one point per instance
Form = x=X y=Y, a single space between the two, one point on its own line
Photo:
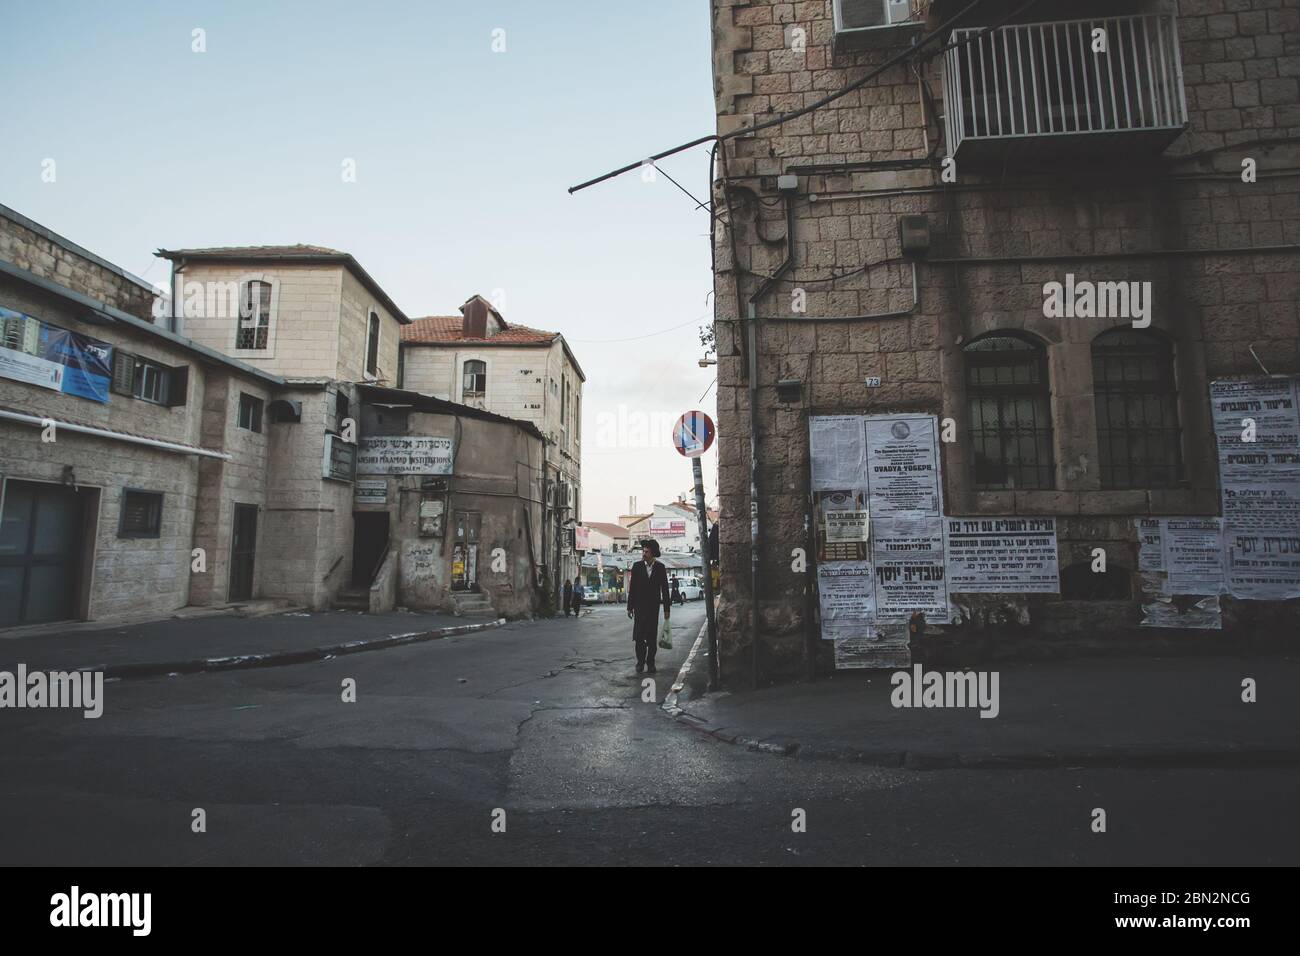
x=577 y=597
x=568 y=596
x=677 y=593
x=648 y=590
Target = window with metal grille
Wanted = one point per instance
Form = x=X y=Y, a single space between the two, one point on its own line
x=141 y=515
x=475 y=382
x=1138 y=436
x=1010 y=412
x=372 y=345
x=254 y=315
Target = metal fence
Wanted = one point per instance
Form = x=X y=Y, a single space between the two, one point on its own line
x=1044 y=79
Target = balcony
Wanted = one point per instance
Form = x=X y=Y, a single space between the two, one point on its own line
x=1038 y=91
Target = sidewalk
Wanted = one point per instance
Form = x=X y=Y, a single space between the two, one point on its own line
x=190 y=645
x=1087 y=712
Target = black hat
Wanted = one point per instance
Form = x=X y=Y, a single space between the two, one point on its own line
x=652 y=544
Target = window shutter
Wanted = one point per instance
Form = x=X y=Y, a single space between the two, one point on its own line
x=123 y=371
x=178 y=386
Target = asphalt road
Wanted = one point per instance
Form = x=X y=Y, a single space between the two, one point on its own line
x=545 y=722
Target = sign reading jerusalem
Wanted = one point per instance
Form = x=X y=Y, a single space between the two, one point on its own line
x=404 y=455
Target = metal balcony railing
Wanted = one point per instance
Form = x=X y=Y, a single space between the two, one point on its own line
x=1039 y=87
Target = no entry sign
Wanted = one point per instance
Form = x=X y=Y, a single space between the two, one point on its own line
x=693 y=434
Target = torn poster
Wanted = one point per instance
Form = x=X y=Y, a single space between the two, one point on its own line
x=1180 y=561
x=888 y=649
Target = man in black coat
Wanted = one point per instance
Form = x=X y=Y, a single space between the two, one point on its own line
x=648 y=590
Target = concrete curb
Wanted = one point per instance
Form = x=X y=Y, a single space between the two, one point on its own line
x=1099 y=758
x=281 y=658
x=670 y=699
x=1092 y=758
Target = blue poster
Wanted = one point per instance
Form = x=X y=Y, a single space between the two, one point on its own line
x=88 y=362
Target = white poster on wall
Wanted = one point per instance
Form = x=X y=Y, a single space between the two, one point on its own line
x=995 y=555
x=1193 y=555
x=886 y=648
x=836 y=452
x=1257 y=426
x=847 y=599
x=907 y=555
x=902 y=461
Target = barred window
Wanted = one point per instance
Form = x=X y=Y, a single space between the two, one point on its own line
x=1138 y=435
x=1010 y=412
x=254 y=315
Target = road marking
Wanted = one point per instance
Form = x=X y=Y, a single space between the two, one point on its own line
x=670 y=700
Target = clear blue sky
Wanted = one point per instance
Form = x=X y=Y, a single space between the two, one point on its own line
x=463 y=158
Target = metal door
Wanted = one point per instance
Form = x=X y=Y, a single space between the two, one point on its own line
x=243 y=547
x=40 y=552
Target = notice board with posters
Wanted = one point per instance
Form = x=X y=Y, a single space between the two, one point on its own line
x=1257 y=430
x=878 y=504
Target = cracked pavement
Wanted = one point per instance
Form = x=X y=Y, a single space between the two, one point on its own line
x=545 y=721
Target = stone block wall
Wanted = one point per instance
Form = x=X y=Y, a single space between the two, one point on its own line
x=1223 y=257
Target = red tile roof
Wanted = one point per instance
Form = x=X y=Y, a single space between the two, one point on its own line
x=439 y=329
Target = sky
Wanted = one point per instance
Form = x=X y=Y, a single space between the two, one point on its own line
x=462 y=153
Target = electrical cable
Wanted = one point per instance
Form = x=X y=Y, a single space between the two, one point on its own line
x=857 y=84
x=634 y=338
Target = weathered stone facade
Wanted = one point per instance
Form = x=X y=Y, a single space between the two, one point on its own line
x=531 y=376
x=496 y=479
x=58 y=283
x=224 y=474
x=1222 y=255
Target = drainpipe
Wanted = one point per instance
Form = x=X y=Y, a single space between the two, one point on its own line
x=752 y=362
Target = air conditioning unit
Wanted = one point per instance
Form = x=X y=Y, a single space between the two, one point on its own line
x=871 y=24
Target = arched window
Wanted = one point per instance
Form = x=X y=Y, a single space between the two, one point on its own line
x=1138 y=436
x=474 y=387
x=1010 y=412
x=254 y=315
x=372 y=345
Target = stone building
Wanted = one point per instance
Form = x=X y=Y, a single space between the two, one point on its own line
x=211 y=447
x=891 y=251
x=124 y=447
x=315 y=319
x=479 y=359
x=463 y=533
